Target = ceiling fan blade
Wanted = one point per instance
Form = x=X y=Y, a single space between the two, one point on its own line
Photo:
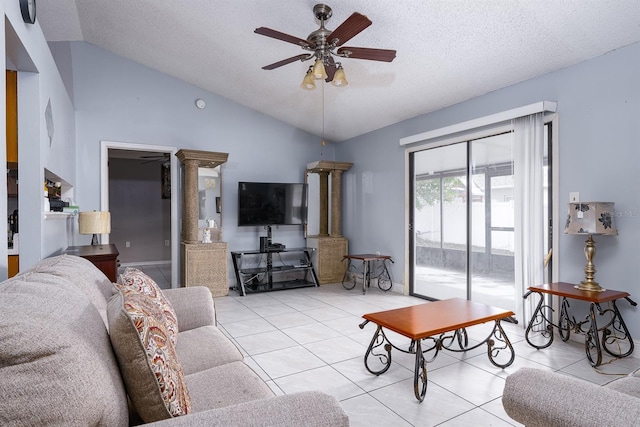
x=264 y=31
x=330 y=69
x=386 y=55
x=275 y=65
x=349 y=28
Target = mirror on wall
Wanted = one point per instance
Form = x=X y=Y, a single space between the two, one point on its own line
x=209 y=200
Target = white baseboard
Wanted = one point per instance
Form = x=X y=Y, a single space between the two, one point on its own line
x=129 y=264
x=398 y=288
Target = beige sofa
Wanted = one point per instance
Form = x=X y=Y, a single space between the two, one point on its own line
x=58 y=363
x=535 y=398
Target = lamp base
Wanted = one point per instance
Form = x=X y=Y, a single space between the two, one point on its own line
x=590 y=286
x=94 y=240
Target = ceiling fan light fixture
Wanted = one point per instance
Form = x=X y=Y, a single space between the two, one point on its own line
x=323 y=44
x=339 y=78
x=308 y=83
x=319 y=73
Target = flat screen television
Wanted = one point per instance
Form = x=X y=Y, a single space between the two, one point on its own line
x=271 y=203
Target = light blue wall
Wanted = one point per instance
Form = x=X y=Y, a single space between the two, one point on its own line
x=119 y=100
x=599 y=150
x=26 y=50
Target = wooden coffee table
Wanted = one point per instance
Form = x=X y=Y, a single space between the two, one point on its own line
x=439 y=325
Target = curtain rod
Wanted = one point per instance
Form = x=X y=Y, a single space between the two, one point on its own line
x=538 y=107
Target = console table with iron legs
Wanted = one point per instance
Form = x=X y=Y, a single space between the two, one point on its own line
x=616 y=339
x=432 y=327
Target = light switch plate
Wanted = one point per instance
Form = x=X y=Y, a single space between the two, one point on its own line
x=574 y=197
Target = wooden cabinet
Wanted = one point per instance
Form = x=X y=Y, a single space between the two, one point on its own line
x=14 y=265
x=329 y=257
x=105 y=257
x=205 y=264
x=12 y=183
x=12 y=116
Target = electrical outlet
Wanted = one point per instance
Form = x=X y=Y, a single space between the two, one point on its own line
x=166 y=243
x=127 y=244
x=574 y=197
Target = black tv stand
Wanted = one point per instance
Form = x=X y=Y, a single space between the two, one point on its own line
x=256 y=272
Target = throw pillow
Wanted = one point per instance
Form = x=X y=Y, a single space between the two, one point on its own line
x=134 y=280
x=147 y=357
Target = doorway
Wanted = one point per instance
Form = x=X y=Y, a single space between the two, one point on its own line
x=151 y=232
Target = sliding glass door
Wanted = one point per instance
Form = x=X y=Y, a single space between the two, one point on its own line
x=440 y=222
x=462 y=216
x=492 y=272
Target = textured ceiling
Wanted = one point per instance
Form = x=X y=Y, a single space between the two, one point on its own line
x=448 y=51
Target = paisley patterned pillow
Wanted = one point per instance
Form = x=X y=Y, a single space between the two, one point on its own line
x=134 y=280
x=147 y=357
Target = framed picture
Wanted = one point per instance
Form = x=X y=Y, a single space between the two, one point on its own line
x=165 y=178
x=218 y=205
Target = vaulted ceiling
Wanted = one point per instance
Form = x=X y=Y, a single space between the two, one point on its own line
x=448 y=51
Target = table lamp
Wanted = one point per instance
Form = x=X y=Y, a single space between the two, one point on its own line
x=589 y=218
x=94 y=223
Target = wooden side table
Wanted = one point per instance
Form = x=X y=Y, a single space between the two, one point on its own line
x=384 y=278
x=613 y=332
x=105 y=257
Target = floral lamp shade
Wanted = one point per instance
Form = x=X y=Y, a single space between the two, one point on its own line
x=590 y=218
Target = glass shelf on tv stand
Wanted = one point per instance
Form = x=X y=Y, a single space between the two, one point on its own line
x=258 y=271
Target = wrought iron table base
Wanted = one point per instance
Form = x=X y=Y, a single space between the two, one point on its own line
x=496 y=341
x=383 y=275
x=614 y=332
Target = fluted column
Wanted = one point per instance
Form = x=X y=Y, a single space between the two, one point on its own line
x=324 y=203
x=190 y=202
x=336 y=203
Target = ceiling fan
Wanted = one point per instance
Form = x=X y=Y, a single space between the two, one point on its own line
x=161 y=157
x=324 y=44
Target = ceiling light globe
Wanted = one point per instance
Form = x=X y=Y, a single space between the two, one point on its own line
x=339 y=78
x=308 y=82
x=319 y=71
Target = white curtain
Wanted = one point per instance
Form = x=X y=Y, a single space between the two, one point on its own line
x=529 y=227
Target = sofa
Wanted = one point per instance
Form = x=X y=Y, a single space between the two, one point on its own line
x=75 y=349
x=535 y=397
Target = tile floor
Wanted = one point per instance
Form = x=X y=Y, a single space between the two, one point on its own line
x=309 y=338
